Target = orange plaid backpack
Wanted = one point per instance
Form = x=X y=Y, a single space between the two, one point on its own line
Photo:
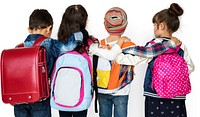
x=117 y=76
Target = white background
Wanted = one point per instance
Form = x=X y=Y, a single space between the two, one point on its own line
x=14 y=23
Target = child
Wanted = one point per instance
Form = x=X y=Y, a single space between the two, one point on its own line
x=166 y=22
x=41 y=23
x=115 y=22
x=75 y=19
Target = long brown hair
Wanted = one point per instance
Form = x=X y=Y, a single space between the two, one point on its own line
x=74 y=20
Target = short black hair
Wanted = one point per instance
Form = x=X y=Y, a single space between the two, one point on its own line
x=39 y=19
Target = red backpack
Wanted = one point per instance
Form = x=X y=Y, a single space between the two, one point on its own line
x=24 y=77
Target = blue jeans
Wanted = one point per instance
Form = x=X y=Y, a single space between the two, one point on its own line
x=106 y=103
x=37 y=109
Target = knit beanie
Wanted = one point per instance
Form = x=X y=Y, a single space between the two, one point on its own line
x=115 y=21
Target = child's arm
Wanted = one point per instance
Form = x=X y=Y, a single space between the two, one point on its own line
x=189 y=61
x=109 y=54
x=129 y=59
x=143 y=54
x=146 y=52
x=150 y=52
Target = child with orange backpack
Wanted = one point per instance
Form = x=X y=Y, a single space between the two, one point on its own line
x=114 y=78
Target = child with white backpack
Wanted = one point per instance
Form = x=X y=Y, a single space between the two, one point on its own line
x=65 y=103
x=71 y=87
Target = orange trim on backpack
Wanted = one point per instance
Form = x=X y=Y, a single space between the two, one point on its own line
x=103 y=42
x=127 y=44
x=124 y=45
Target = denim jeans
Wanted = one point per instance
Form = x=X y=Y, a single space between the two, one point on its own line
x=37 y=109
x=106 y=103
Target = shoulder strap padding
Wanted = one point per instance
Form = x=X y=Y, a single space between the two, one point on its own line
x=39 y=40
x=127 y=44
x=124 y=45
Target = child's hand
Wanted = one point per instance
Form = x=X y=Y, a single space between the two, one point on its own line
x=121 y=40
x=105 y=46
x=125 y=39
x=176 y=40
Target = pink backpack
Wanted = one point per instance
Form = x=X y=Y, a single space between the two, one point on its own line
x=170 y=75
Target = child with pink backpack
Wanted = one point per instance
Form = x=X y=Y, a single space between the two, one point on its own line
x=167 y=80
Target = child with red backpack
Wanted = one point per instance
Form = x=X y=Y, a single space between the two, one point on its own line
x=164 y=96
x=41 y=25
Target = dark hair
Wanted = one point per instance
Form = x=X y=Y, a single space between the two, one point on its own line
x=169 y=17
x=39 y=19
x=74 y=20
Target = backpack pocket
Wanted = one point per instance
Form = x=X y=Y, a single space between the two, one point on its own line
x=68 y=87
x=103 y=73
x=119 y=76
x=103 y=78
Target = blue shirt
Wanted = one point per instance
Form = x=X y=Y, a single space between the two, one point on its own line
x=54 y=47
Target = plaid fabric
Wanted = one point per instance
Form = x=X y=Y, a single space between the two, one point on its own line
x=129 y=75
x=151 y=51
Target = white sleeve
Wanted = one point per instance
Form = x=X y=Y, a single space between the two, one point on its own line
x=109 y=54
x=130 y=60
x=189 y=61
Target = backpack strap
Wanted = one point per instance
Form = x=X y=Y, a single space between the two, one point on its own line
x=89 y=61
x=103 y=43
x=20 y=45
x=127 y=44
x=95 y=63
x=94 y=72
x=39 y=40
x=170 y=50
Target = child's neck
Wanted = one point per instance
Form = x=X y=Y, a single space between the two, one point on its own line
x=168 y=35
x=112 y=38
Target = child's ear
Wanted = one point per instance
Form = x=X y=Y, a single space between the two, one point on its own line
x=29 y=30
x=49 y=29
x=162 y=26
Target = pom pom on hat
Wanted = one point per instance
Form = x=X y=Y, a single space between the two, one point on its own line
x=115 y=21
